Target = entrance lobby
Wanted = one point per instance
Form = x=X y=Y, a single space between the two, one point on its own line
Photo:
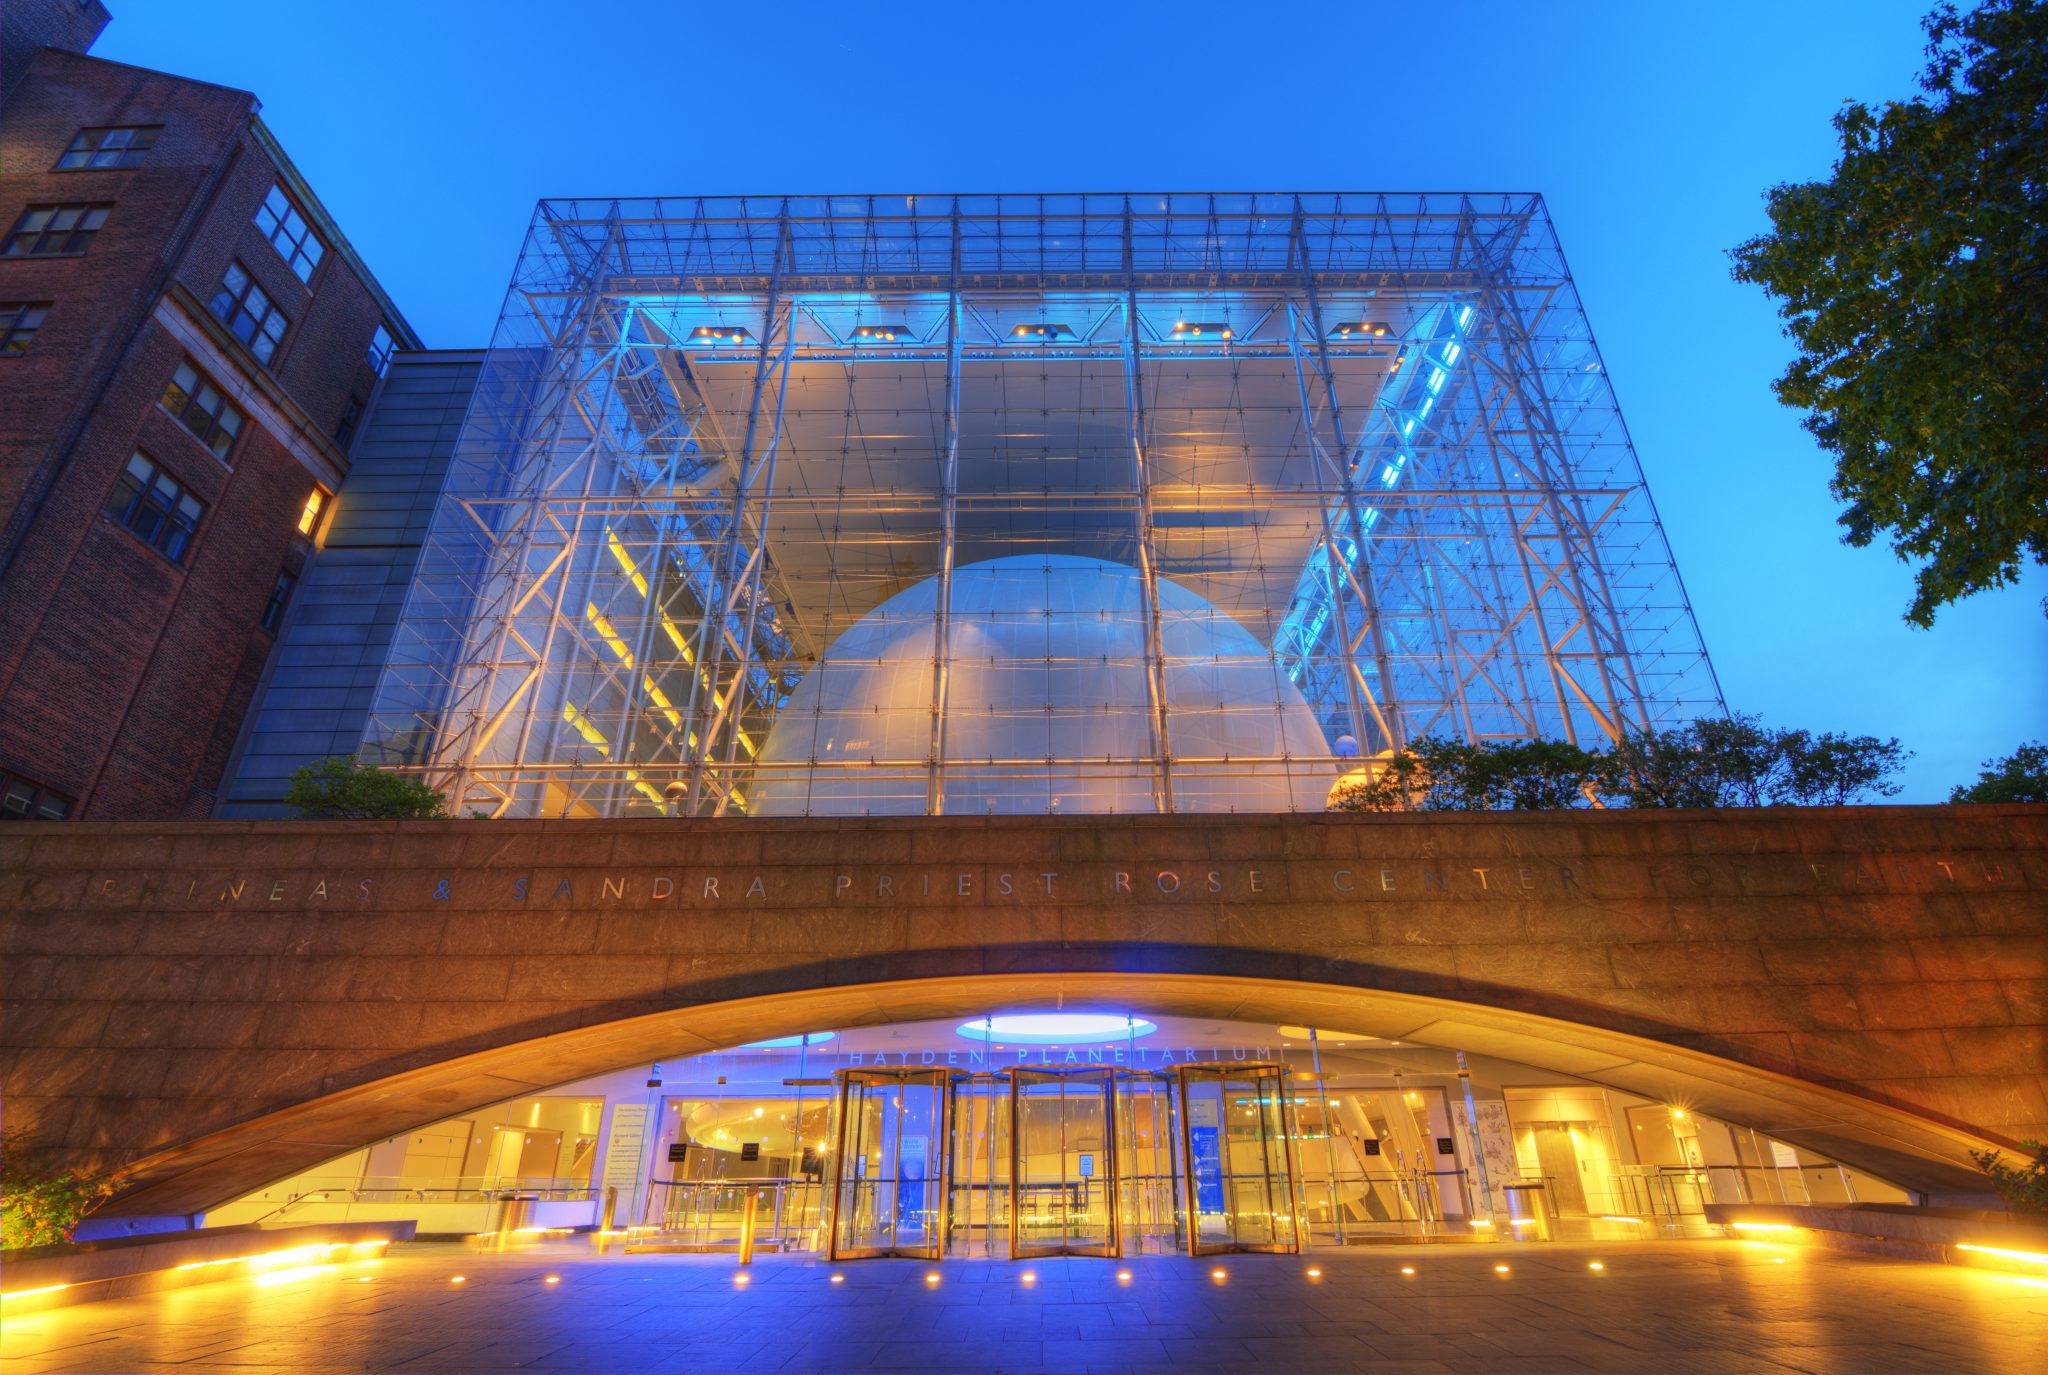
x=1035 y=1134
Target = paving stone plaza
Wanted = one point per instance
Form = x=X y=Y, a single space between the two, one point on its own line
x=1675 y=1308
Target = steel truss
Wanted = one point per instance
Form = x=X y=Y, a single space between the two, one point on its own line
x=711 y=435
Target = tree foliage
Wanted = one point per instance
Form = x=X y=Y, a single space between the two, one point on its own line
x=1731 y=761
x=345 y=788
x=2025 y=1190
x=2021 y=776
x=1915 y=283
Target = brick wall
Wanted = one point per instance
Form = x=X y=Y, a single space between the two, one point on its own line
x=124 y=677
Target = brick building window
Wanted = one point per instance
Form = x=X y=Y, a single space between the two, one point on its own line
x=253 y=316
x=152 y=503
x=289 y=233
x=351 y=416
x=19 y=321
x=280 y=597
x=120 y=147
x=309 y=514
x=200 y=408
x=22 y=800
x=49 y=231
x=380 y=350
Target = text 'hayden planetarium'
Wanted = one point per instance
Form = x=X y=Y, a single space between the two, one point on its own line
x=958 y=505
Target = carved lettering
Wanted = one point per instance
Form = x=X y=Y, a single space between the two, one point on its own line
x=1386 y=880
x=1048 y=878
x=711 y=888
x=277 y=891
x=1484 y=886
x=1123 y=882
x=615 y=887
x=1341 y=881
x=1162 y=876
x=1258 y=881
x=963 y=886
x=841 y=884
x=885 y=887
x=1003 y=885
x=663 y=886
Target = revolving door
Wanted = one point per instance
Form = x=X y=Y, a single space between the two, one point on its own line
x=889 y=1187
x=1237 y=1159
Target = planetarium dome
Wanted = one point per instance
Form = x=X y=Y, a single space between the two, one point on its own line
x=1046 y=705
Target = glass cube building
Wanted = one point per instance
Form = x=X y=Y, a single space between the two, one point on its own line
x=921 y=505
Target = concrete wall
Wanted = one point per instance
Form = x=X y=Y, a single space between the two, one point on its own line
x=214 y=1006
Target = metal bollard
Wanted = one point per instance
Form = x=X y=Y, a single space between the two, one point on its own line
x=747 y=1211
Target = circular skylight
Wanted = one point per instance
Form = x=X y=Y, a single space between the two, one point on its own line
x=810 y=1038
x=1056 y=1028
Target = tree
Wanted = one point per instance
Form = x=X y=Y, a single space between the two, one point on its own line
x=1836 y=770
x=1737 y=761
x=1915 y=283
x=1440 y=775
x=2021 y=776
x=345 y=788
x=1715 y=761
x=2025 y=1190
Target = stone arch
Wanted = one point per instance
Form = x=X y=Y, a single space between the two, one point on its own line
x=1912 y=1150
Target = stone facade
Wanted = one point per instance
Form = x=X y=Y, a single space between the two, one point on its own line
x=208 y=1007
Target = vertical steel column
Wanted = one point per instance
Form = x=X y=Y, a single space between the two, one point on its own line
x=1385 y=708
x=1134 y=418
x=711 y=625
x=566 y=358
x=1560 y=494
x=942 y=638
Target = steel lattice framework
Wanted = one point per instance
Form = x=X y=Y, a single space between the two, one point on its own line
x=712 y=434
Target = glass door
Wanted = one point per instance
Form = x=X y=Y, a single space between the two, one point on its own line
x=1063 y=1166
x=1237 y=1162
x=1147 y=1149
x=979 y=1210
x=889 y=1165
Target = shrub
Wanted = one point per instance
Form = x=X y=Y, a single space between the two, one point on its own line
x=345 y=788
x=43 y=1207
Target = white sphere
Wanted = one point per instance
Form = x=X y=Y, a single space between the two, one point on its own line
x=1047 y=661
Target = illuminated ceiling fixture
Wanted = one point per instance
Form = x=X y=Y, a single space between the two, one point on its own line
x=1056 y=1028
x=1201 y=331
x=720 y=334
x=882 y=334
x=808 y=1039
x=1040 y=332
x=1357 y=329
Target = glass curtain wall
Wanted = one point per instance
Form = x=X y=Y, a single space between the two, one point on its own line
x=1027 y=504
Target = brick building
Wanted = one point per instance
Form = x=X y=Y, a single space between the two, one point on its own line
x=188 y=344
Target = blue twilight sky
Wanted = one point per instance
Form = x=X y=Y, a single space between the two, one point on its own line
x=430 y=127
